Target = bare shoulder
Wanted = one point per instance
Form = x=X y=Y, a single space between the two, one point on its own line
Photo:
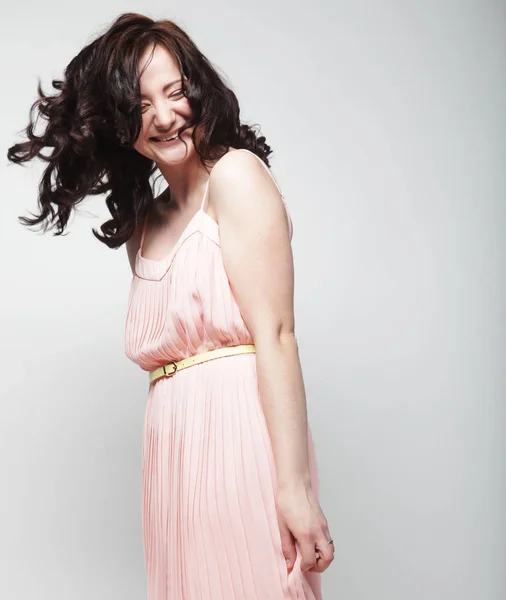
x=241 y=173
x=242 y=189
x=237 y=164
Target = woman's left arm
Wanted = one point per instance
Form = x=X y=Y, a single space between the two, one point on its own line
x=257 y=256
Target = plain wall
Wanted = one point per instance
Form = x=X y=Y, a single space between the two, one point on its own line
x=388 y=124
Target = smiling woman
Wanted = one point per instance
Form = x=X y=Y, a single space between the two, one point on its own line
x=102 y=113
x=230 y=504
x=165 y=109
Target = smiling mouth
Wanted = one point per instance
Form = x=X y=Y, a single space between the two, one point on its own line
x=164 y=139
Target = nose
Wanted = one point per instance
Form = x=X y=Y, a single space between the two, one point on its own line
x=164 y=116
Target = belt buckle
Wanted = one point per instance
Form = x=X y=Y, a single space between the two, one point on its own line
x=168 y=374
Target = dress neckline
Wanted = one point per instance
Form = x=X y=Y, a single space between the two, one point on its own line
x=141 y=245
x=171 y=251
x=154 y=269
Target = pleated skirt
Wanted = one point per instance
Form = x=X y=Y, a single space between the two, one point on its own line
x=210 y=528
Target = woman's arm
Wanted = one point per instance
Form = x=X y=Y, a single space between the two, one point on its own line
x=257 y=256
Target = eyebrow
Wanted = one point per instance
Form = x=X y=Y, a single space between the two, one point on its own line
x=166 y=86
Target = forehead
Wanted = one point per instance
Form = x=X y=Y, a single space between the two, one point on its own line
x=157 y=68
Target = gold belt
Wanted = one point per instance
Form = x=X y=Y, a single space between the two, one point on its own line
x=170 y=368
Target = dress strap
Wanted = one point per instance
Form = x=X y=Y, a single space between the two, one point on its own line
x=205 y=195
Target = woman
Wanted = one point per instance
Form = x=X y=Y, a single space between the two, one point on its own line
x=230 y=490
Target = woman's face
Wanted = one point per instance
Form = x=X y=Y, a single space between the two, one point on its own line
x=165 y=109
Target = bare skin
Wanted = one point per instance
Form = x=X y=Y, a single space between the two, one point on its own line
x=257 y=257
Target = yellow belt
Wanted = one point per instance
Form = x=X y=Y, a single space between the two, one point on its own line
x=170 y=368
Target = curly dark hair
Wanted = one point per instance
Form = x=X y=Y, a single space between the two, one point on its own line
x=94 y=120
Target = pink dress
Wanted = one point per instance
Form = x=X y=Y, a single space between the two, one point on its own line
x=209 y=519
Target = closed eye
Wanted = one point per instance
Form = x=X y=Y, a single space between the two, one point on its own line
x=179 y=94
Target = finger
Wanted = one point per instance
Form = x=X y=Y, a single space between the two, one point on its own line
x=326 y=555
x=288 y=546
x=308 y=554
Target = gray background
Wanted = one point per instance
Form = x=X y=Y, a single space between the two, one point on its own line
x=387 y=121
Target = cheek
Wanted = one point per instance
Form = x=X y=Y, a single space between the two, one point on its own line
x=185 y=109
x=142 y=145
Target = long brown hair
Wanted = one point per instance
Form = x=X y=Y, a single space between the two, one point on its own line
x=94 y=120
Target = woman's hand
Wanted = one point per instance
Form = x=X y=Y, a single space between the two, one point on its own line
x=301 y=520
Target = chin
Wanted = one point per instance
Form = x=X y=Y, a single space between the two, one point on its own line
x=169 y=155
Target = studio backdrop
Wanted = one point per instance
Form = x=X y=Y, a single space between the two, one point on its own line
x=388 y=130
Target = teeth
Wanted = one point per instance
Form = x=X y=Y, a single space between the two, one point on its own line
x=166 y=139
